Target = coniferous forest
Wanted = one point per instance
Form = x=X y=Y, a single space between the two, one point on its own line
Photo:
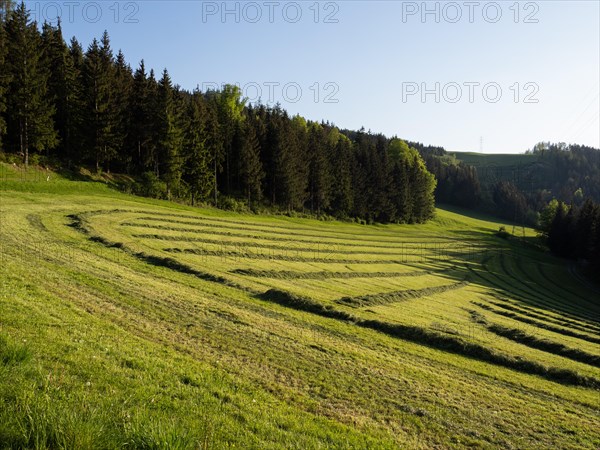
x=89 y=107
x=573 y=232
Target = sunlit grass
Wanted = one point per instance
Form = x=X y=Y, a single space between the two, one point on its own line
x=104 y=343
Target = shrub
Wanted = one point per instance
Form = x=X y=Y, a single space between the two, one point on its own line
x=151 y=186
x=232 y=204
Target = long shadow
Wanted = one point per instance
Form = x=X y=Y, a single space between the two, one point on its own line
x=411 y=333
x=564 y=296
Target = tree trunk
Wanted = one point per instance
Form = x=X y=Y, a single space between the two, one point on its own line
x=26 y=136
x=215 y=180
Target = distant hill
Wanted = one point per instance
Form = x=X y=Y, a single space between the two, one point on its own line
x=550 y=170
x=524 y=170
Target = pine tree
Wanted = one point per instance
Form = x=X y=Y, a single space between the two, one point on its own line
x=29 y=108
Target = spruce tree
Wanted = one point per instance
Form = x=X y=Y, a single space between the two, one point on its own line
x=29 y=107
x=251 y=169
x=291 y=165
x=140 y=130
x=169 y=134
x=122 y=89
x=4 y=79
x=100 y=115
x=230 y=106
x=63 y=87
x=341 y=162
x=76 y=105
x=198 y=171
x=319 y=176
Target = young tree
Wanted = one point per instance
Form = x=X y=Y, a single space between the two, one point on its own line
x=29 y=108
x=546 y=217
x=422 y=187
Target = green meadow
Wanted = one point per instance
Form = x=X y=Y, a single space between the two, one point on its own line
x=134 y=323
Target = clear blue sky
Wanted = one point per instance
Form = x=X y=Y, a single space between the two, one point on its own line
x=377 y=57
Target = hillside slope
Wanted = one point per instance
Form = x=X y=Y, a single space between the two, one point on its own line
x=554 y=172
x=128 y=322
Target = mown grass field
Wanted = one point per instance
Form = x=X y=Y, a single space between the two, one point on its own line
x=134 y=323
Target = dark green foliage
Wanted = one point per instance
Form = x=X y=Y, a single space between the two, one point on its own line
x=510 y=202
x=100 y=116
x=30 y=107
x=151 y=186
x=198 y=171
x=169 y=135
x=122 y=88
x=319 y=177
x=192 y=145
x=140 y=125
x=575 y=233
x=4 y=79
x=457 y=182
x=229 y=107
x=251 y=170
x=290 y=161
x=62 y=86
x=568 y=173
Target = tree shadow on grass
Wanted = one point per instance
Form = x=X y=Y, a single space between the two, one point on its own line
x=517 y=271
